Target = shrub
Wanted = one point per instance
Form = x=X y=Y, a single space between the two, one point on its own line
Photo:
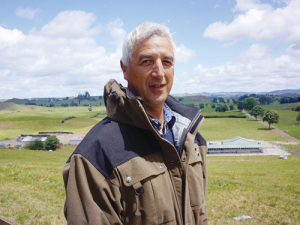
x=51 y=142
x=37 y=144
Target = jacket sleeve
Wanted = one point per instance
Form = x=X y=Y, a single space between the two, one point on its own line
x=90 y=197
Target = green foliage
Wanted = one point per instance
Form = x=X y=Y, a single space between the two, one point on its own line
x=298 y=117
x=297 y=108
x=51 y=142
x=257 y=111
x=64 y=104
x=213 y=106
x=249 y=103
x=201 y=105
x=234 y=101
x=240 y=105
x=90 y=109
x=37 y=144
x=222 y=108
x=271 y=117
x=263 y=99
x=221 y=100
x=231 y=107
x=51 y=105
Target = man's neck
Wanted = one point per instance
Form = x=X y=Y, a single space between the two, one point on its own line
x=157 y=113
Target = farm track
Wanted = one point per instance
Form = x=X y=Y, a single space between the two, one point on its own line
x=288 y=137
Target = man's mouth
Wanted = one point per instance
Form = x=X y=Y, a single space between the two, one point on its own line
x=157 y=85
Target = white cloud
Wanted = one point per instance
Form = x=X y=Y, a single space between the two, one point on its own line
x=60 y=59
x=71 y=24
x=183 y=54
x=27 y=13
x=253 y=70
x=10 y=37
x=117 y=31
x=259 y=22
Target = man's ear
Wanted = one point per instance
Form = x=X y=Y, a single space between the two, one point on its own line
x=124 y=69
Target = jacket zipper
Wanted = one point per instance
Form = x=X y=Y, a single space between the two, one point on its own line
x=185 y=132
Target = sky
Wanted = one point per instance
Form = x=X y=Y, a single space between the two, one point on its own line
x=62 y=48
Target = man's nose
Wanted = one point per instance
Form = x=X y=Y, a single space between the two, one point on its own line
x=158 y=69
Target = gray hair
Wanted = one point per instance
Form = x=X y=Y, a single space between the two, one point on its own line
x=141 y=33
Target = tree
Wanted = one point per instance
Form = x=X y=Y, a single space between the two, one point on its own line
x=213 y=106
x=257 y=111
x=298 y=117
x=90 y=109
x=87 y=95
x=201 y=105
x=222 y=108
x=234 y=101
x=228 y=100
x=221 y=100
x=231 y=107
x=271 y=117
x=51 y=142
x=297 y=108
x=240 y=105
x=249 y=103
x=215 y=100
x=37 y=144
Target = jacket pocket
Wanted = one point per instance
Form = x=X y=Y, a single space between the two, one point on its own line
x=146 y=190
x=196 y=177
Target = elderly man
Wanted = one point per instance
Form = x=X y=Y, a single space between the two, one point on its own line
x=145 y=162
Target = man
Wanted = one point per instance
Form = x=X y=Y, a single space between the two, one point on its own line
x=145 y=162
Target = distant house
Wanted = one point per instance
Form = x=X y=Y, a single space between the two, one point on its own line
x=75 y=140
x=236 y=145
x=33 y=138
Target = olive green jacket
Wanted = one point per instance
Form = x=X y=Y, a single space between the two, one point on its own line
x=124 y=172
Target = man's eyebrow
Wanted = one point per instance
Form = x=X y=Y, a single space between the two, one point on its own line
x=143 y=56
x=169 y=57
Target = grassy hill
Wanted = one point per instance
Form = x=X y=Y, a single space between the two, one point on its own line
x=29 y=119
x=262 y=187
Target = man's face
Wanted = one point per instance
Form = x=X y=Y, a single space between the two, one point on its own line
x=150 y=71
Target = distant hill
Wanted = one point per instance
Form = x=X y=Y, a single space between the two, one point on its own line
x=196 y=98
x=237 y=94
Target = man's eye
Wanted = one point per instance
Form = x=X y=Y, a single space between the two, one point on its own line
x=168 y=63
x=146 y=62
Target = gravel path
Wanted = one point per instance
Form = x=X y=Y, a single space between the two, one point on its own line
x=288 y=137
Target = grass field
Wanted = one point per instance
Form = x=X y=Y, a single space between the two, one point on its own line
x=287 y=118
x=262 y=187
x=226 y=128
x=23 y=119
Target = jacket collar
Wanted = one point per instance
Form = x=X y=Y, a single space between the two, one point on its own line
x=123 y=106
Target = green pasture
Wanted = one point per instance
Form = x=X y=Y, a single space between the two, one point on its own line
x=225 y=128
x=263 y=187
x=287 y=118
x=278 y=106
x=24 y=119
x=223 y=114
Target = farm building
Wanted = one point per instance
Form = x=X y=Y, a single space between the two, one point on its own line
x=75 y=140
x=33 y=138
x=236 y=145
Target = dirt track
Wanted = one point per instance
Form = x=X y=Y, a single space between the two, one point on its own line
x=288 y=137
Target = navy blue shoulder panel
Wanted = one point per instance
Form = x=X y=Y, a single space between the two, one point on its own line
x=110 y=144
x=199 y=140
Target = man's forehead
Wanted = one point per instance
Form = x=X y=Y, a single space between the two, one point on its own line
x=143 y=48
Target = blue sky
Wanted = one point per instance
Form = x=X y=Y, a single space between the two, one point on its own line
x=60 y=48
